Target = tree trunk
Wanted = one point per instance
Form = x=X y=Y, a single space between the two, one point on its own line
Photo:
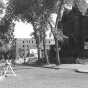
x=58 y=19
x=45 y=51
x=38 y=47
x=57 y=52
x=56 y=45
x=38 y=50
x=37 y=38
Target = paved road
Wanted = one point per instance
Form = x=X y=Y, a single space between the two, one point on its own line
x=37 y=77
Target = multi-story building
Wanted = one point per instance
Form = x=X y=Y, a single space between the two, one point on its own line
x=28 y=45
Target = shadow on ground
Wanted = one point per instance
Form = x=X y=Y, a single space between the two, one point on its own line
x=28 y=66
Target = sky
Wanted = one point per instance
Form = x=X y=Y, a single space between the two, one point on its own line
x=23 y=29
x=86 y=1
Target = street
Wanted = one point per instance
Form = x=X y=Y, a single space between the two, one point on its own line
x=39 y=77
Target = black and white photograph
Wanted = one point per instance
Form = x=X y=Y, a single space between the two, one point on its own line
x=43 y=43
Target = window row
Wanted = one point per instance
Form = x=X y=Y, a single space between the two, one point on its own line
x=29 y=41
x=35 y=41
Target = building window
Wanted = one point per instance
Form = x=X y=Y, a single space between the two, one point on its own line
x=49 y=42
x=32 y=41
x=23 y=41
x=29 y=41
x=23 y=45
